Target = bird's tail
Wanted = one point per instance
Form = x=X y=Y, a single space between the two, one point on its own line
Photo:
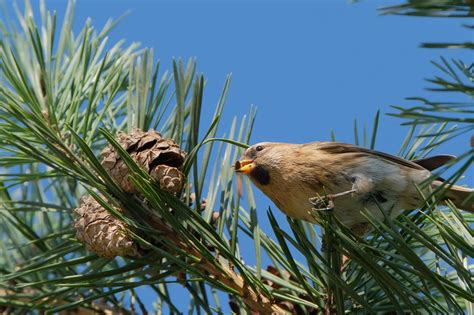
x=458 y=195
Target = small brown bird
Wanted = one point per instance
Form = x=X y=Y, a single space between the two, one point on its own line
x=343 y=178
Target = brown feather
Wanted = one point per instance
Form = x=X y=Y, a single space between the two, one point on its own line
x=335 y=147
x=433 y=162
x=460 y=196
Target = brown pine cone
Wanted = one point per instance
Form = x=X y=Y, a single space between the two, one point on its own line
x=170 y=178
x=159 y=157
x=100 y=231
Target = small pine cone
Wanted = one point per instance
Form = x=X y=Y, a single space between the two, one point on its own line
x=149 y=150
x=170 y=178
x=100 y=231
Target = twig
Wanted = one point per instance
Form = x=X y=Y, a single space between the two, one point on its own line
x=255 y=301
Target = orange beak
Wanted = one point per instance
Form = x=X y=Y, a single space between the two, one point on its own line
x=244 y=166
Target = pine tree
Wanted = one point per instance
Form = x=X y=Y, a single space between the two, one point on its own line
x=110 y=185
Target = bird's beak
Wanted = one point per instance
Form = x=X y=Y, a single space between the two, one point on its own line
x=244 y=166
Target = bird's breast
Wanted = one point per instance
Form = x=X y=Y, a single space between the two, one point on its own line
x=291 y=194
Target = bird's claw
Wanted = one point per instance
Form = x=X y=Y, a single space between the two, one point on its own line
x=321 y=203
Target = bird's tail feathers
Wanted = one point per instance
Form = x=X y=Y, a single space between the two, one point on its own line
x=462 y=197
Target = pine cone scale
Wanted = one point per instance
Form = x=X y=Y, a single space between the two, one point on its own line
x=101 y=232
x=148 y=149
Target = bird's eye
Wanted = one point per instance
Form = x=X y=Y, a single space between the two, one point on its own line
x=259 y=148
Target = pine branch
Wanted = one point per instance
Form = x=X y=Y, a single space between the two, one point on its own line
x=219 y=271
x=60 y=108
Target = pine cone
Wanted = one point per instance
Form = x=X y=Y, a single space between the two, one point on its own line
x=101 y=232
x=170 y=178
x=159 y=157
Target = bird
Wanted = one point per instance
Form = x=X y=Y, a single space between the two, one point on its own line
x=347 y=179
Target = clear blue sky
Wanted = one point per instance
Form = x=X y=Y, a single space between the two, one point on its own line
x=309 y=66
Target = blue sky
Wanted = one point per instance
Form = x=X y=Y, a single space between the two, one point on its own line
x=309 y=66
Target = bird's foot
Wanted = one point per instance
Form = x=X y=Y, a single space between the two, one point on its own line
x=322 y=203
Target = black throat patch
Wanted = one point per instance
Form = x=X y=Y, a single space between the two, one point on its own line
x=261 y=175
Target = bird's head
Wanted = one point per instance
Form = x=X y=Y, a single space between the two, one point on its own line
x=262 y=161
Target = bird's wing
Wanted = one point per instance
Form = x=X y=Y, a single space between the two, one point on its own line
x=433 y=162
x=338 y=148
